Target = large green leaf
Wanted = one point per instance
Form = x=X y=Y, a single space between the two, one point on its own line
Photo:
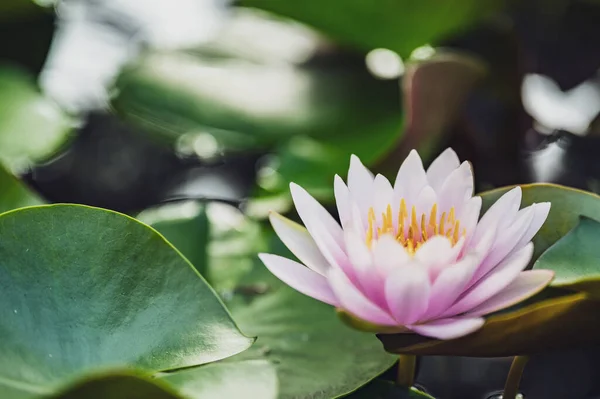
x=575 y=258
x=85 y=288
x=220 y=380
x=399 y=25
x=315 y=355
x=32 y=127
x=549 y=320
x=567 y=205
x=14 y=194
x=227 y=380
x=116 y=386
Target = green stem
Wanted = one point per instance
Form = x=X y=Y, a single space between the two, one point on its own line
x=511 y=387
x=406 y=370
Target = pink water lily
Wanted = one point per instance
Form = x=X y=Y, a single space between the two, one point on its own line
x=413 y=256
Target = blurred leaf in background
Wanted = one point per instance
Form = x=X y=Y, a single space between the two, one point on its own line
x=398 y=25
x=32 y=127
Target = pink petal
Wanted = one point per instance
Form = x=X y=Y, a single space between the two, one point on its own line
x=449 y=328
x=457 y=189
x=407 y=293
x=526 y=285
x=501 y=214
x=411 y=178
x=299 y=242
x=342 y=201
x=494 y=282
x=506 y=241
x=383 y=194
x=360 y=184
x=541 y=212
x=470 y=217
x=436 y=254
x=309 y=210
x=449 y=285
x=300 y=278
x=388 y=254
x=441 y=167
x=370 y=281
x=331 y=250
x=355 y=302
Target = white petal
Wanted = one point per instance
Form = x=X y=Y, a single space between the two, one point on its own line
x=355 y=302
x=449 y=328
x=457 y=189
x=331 y=250
x=441 y=167
x=449 y=285
x=309 y=210
x=494 y=282
x=407 y=293
x=469 y=217
x=388 y=254
x=300 y=278
x=383 y=195
x=299 y=242
x=506 y=241
x=370 y=280
x=360 y=184
x=500 y=214
x=526 y=285
x=541 y=212
x=411 y=178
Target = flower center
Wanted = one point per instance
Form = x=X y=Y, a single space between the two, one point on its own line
x=412 y=231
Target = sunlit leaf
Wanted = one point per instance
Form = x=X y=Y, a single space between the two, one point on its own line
x=85 y=288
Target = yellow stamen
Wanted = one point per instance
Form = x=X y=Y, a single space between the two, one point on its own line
x=419 y=229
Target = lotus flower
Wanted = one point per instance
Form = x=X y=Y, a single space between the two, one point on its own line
x=414 y=257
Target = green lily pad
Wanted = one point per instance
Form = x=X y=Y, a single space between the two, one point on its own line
x=125 y=385
x=575 y=258
x=32 y=127
x=85 y=288
x=226 y=380
x=14 y=194
x=314 y=353
x=400 y=25
x=567 y=205
x=219 y=380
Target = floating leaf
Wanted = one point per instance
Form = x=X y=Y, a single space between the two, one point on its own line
x=575 y=258
x=226 y=380
x=115 y=386
x=85 y=288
